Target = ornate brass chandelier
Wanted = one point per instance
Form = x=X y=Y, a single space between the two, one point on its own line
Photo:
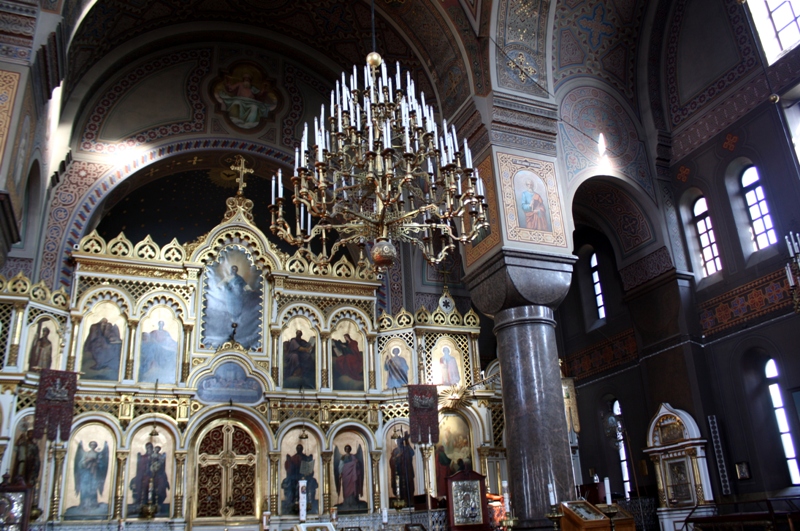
x=378 y=169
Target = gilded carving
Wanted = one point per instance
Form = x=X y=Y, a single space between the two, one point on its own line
x=132 y=270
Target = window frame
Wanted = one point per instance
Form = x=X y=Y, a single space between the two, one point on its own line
x=597 y=287
x=783 y=422
x=762 y=203
x=766 y=30
x=705 y=219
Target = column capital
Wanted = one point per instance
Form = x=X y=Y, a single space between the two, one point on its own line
x=515 y=278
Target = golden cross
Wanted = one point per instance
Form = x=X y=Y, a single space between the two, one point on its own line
x=195 y=160
x=152 y=172
x=243 y=170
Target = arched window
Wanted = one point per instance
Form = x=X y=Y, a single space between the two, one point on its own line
x=623 y=456
x=762 y=231
x=777 y=25
x=598 y=289
x=709 y=254
x=771 y=373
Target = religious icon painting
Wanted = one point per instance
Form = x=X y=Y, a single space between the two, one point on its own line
x=43 y=343
x=532 y=209
x=531 y=200
x=402 y=463
x=299 y=359
x=90 y=472
x=350 y=467
x=347 y=357
x=447 y=364
x=103 y=334
x=159 y=346
x=26 y=463
x=245 y=95
x=232 y=295
x=150 y=469
x=453 y=453
x=301 y=461
x=229 y=382
x=397 y=366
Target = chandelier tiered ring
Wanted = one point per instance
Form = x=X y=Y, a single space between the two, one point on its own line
x=379 y=171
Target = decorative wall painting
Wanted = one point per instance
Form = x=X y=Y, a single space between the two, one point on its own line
x=350 y=471
x=531 y=194
x=90 y=472
x=159 y=346
x=43 y=344
x=531 y=200
x=299 y=343
x=300 y=460
x=103 y=334
x=446 y=364
x=245 y=95
x=150 y=469
x=28 y=453
x=347 y=357
x=402 y=463
x=232 y=295
x=229 y=382
x=454 y=451
x=397 y=364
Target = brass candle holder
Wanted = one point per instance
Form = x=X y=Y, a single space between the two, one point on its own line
x=555 y=515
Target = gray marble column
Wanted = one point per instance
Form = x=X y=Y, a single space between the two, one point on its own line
x=538 y=452
x=520 y=290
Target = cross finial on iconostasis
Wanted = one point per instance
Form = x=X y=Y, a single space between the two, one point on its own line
x=243 y=170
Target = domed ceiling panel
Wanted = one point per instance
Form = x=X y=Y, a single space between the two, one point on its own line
x=339 y=31
x=598 y=38
x=154 y=101
x=628 y=223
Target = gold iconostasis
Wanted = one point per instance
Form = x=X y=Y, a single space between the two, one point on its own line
x=216 y=376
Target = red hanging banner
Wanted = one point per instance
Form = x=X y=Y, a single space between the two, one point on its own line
x=423 y=413
x=54 y=404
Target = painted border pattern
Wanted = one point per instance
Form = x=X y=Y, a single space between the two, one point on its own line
x=509 y=165
x=603 y=355
x=67 y=221
x=647 y=268
x=90 y=141
x=473 y=251
x=748 y=55
x=9 y=83
x=764 y=295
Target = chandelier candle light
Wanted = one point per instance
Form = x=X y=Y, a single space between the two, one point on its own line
x=380 y=170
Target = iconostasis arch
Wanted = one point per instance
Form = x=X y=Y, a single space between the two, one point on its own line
x=455 y=451
x=352 y=470
x=150 y=471
x=90 y=468
x=210 y=414
x=232 y=293
x=43 y=345
x=340 y=426
x=229 y=467
x=402 y=462
x=446 y=360
x=398 y=362
x=103 y=333
x=231 y=377
x=159 y=339
x=300 y=445
x=298 y=344
x=349 y=348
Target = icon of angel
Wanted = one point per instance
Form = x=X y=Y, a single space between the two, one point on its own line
x=348 y=474
x=90 y=469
